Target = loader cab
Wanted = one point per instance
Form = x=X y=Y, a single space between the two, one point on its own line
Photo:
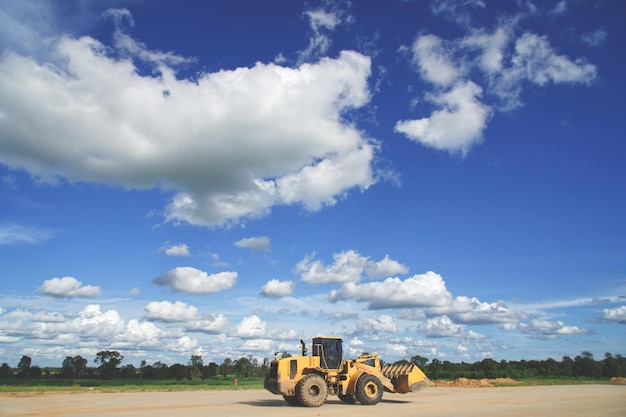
x=329 y=350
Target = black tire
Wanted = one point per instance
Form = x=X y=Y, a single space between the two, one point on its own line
x=291 y=399
x=347 y=398
x=312 y=391
x=369 y=390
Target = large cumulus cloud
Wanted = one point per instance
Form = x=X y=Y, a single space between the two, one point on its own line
x=226 y=145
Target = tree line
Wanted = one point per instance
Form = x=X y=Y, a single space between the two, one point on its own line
x=108 y=365
x=581 y=366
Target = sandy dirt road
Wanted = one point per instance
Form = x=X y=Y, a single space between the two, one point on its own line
x=552 y=401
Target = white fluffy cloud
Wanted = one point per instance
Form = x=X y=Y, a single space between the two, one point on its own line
x=177 y=250
x=92 y=321
x=68 y=287
x=195 y=281
x=461 y=72
x=90 y=327
x=321 y=22
x=184 y=345
x=251 y=327
x=209 y=323
x=381 y=324
x=231 y=144
x=617 y=314
x=470 y=310
x=456 y=126
x=384 y=268
x=422 y=290
x=138 y=334
x=348 y=266
x=537 y=62
x=261 y=346
x=441 y=326
x=435 y=61
x=276 y=288
x=491 y=48
x=47 y=317
x=550 y=329
x=259 y=243
x=187 y=315
x=170 y=312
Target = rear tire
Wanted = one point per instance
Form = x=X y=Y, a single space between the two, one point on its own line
x=369 y=390
x=312 y=391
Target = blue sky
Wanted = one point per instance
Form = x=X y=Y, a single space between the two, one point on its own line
x=439 y=178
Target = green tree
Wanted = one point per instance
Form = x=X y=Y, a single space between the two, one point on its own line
x=487 y=368
x=67 y=368
x=420 y=361
x=226 y=367
x=148 y=372
x=128 y=371
x=434 y=369
x=551 y=367
x=109 y=361
x=584 y=365
x=73 y=367
x=5 y=370
x=34 y=372
x=611 y=366
x=195 y=367
x=161 y=370
x=177 y=371
x=567 y=366
x=142 y=367
x=210 y=370
x=622 y=364
x=243 y=367
x=23 y=366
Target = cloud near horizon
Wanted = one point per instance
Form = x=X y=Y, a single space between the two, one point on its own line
x=421 y=290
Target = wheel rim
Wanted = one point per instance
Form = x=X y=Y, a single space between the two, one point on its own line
x=314 y=390
x=371 y=390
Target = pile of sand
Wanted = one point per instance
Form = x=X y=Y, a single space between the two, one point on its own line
x=618 y=380
x=504 y=381
x=474 y=383
x=464 y=382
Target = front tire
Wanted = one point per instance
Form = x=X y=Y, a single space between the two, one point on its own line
x=312 y=391
x=291 y=400
x=346 y=398
x=369 y=390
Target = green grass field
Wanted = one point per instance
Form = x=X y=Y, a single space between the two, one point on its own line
x=43 y=385
x=120 y=385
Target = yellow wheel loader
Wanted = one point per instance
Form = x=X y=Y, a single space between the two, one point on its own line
x=308 y=380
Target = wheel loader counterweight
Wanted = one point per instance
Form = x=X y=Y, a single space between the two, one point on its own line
x=308 y=380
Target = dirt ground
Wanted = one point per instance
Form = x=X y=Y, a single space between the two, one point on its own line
x=553 y=401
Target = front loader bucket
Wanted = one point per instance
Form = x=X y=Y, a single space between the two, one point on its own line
x=406 y=377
